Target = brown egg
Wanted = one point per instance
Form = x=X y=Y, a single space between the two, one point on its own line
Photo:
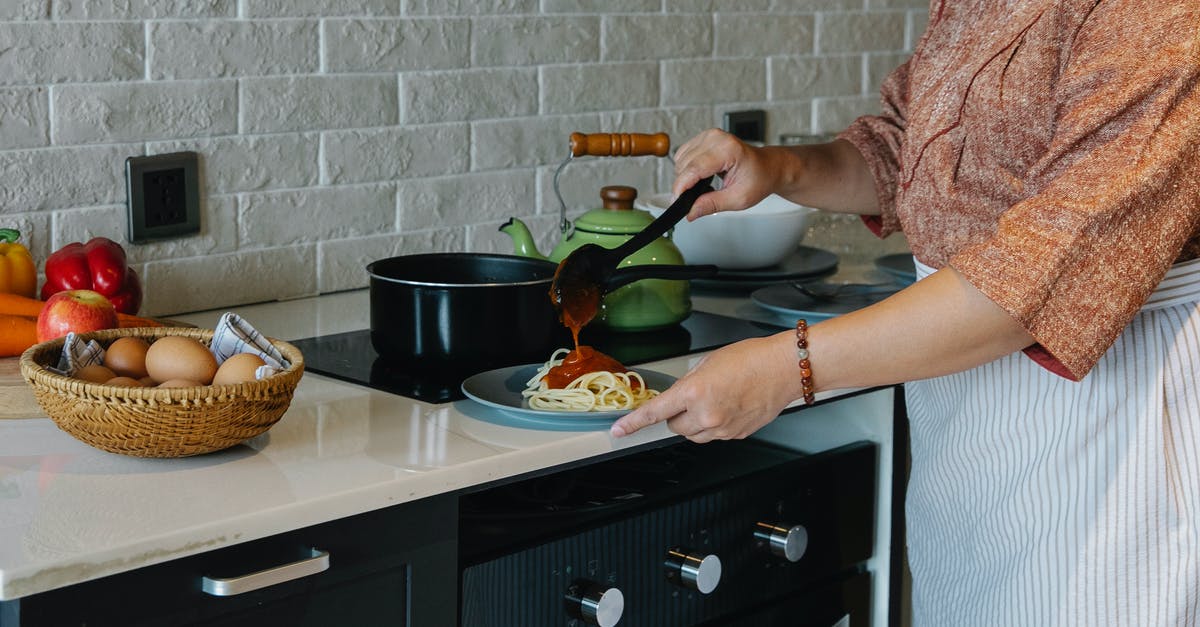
x=127 y=357
x=179 y=383
x=128 y=382
x=238 y=368
x=94 y=373
x=148 y=381
x=178 y=357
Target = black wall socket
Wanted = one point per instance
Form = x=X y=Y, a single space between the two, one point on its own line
x=163 y=194
x=748 y=126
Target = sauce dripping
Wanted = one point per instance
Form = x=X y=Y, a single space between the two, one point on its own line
x=577 y=302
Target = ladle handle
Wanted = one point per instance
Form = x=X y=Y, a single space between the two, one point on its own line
x=663 y=222
x=620 y=144
x=629 y=274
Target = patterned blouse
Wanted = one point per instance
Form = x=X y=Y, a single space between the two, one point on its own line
x=1049 y=151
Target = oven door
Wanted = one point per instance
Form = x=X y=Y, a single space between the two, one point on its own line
x=742 y=533
x=842 y=603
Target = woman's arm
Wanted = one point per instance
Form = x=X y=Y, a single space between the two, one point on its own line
x=937 y=326
x=832 y=176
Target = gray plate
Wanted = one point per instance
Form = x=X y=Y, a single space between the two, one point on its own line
x=899 y=265
x=501 y=389
x=806 y=262
x=787 y=301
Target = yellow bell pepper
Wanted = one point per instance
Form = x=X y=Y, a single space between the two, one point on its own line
x=18 y=274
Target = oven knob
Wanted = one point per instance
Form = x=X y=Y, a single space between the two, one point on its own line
x=698 y=572
x=786 y=542
x=595 y=604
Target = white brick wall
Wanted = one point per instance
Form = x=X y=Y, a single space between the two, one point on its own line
x=336 y=132
x=133 y=111
x=203 y=49
x=58 y=52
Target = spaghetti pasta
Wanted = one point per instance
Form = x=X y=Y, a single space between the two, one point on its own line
x=601 y=390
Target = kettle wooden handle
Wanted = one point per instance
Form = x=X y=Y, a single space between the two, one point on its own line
x=620 y=144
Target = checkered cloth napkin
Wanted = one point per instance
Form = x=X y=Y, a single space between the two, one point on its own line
x=233 y=335
x=76 y=354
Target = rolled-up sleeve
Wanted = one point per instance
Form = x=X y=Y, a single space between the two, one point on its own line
x=880 y=139
x=1115 y=198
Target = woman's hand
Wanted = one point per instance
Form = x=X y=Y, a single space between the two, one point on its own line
x=744 y=169
x=730 y=394
x=832 y=176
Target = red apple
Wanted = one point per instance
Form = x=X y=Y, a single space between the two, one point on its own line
x=75 y=310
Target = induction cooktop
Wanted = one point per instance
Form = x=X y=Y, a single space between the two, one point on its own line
x=351 y=357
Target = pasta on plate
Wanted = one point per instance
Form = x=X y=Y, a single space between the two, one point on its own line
x=601 y=390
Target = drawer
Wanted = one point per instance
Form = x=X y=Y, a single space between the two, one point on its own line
x=383 y=567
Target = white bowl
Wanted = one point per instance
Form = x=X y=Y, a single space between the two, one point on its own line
x=757 y=237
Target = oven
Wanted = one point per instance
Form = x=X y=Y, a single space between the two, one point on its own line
x=725 y=533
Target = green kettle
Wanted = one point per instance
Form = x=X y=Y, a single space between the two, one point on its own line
x=641 y=305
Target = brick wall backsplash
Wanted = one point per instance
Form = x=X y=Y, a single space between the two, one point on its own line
x=336 y=132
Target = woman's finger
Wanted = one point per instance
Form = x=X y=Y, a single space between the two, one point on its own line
x=682 y=424
x=660 y=408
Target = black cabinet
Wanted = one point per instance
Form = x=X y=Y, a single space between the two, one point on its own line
x=396 y=566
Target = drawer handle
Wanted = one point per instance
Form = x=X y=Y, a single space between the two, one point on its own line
x=231 y=586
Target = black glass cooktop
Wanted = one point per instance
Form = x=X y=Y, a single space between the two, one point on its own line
x=351 y=357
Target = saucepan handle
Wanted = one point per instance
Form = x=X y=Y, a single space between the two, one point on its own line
x=629 y=274
x=620 y=144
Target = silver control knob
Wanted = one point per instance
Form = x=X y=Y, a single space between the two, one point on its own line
x=786 y=542
x=595 y=604
x=701 y=573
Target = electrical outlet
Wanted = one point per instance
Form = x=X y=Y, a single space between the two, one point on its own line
x=748 y=126
x=163 y=193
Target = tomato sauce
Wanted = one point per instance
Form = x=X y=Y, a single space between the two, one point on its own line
x=582 y=360
x=577 y=302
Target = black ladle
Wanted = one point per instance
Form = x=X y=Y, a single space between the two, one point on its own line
x=592 y=268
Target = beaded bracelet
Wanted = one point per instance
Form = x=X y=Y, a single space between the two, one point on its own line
x=806 y=379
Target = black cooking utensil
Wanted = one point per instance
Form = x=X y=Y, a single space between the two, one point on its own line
x=595 y=265
x=627 y=275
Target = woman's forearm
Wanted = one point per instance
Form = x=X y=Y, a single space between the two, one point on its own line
x=833 y=177
x=939 y=325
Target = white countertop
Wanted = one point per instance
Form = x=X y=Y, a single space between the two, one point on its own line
x=70 y=513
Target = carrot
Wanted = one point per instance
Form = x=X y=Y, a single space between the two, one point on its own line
x=130 y=320
x=17 y=305
x=17 y=333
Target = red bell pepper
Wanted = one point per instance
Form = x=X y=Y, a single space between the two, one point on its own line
x=98 y=265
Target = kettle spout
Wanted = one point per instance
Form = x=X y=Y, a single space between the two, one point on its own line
x=522 y=239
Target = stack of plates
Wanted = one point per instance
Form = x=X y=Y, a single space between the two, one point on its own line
x=816 y=300
x=900 y=266
x=806 y=263
x=790 y=302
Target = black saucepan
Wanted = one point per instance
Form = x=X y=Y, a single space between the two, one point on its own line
x=463 y=313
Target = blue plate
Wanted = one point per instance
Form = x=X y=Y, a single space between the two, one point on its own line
x=501 y=389
x=789 y=302
x=900 y=266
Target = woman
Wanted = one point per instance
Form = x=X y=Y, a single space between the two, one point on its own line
x=1042 y=159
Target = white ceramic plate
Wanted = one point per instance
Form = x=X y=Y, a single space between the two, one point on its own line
x=501 y=389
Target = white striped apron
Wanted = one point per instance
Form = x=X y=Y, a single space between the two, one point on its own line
x=1034 y=500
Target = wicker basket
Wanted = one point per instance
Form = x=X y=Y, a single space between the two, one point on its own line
x=159 y=422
